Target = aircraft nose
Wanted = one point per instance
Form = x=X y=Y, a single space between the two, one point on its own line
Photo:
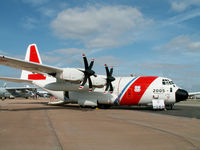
x=181 y=95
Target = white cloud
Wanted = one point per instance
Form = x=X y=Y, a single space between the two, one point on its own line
x=178 y=6
x=72 y=57
x=49 y=12
x=49 y=59
x=69 y=51
x=182 y=5
x=109 y=60
x=46 y=8
x=183 y=17
x=29 y=23
x=182 y=43
x=66 y=57
x=100 y=27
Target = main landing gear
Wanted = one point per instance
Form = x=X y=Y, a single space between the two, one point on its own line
x=100 y=106
x=104 y=106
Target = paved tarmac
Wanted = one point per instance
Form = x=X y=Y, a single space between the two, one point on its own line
x=31 y=124
x=181 y=110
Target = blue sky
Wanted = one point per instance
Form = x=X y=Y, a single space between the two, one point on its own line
x=140 y=37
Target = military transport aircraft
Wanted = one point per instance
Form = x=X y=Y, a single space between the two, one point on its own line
x=12 y=92
x=83 y=86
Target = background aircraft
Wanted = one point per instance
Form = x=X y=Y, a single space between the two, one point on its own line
x=12 y=92
x=194 y=95
x=44 y=94
x=83 y=86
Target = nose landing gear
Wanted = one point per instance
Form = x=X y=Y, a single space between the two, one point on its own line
x=169 y=106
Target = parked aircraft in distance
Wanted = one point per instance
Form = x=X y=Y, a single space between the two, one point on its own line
x=43 y=94
x=194 y=95
x=12 y=92
x=83 y=86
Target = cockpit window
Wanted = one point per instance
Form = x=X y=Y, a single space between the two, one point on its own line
x=167 y=82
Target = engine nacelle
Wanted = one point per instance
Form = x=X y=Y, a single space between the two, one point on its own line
x=99 y=81
x=71 y=74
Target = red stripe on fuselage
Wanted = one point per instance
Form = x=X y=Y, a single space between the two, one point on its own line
x=135 y=92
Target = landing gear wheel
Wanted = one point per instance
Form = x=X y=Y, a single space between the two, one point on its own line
x=91 y=107
x=170 y=106
x=104 y=106
x=3 y=98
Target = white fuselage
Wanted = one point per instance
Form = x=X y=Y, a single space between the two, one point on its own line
x=127 y=91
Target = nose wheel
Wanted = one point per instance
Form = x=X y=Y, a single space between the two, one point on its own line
x=170 y=106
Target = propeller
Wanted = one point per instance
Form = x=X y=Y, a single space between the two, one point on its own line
x=109 y=78
x=87 y=73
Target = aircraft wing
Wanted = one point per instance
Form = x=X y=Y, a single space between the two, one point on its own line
x=15 y=80
x=194 y=93
x=21 y=88
x=29 y=66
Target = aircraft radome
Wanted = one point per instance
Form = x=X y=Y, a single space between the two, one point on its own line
x=83 y=86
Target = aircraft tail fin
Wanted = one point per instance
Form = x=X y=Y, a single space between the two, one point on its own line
x=32 y=55
x=5 y=85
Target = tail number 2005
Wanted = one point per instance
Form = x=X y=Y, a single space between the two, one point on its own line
x=158 y=90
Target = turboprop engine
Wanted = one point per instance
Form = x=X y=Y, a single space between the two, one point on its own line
x=98 y=81
x=82 y=76
x=71 y=74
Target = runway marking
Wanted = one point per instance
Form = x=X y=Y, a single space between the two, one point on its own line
x=53 y=130
x=185 y=138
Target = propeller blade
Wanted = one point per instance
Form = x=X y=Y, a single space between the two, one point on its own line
x=109 y=78
x=107 y=71
x=90 y=83
x=107 y=86
x=91 y=64
x=111 y=87
x=85 y=62
x=84 y=81
x=88 y=72
x=111 y=71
